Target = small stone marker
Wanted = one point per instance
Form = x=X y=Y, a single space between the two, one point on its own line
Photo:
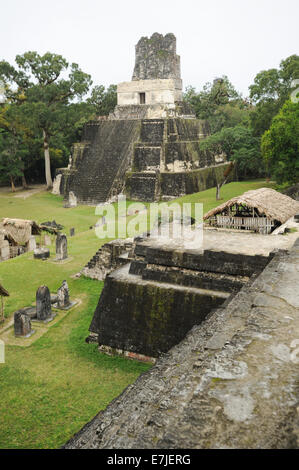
x=72 y=231
x=43 y=303
x=22 y=324
x=63 y=296
x=72 y=199
x=61 y=246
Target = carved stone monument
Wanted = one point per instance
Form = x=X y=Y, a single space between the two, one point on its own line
x=22 y=324
x=63 y=297
x=43 y=304
x=61 y=246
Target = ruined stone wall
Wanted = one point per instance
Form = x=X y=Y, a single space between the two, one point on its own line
x=231 y=383
x=109 y=256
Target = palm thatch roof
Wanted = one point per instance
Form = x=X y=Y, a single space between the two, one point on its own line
x=268 y=202
x=19 y=231
x=3 y=292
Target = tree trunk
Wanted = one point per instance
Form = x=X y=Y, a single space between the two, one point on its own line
x=13 y=188
x=47 y=160
x=24 y=182
x=226 y=175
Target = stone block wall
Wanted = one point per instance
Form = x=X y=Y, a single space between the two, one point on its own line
x=149 y=318
x=181 y=183
x=155 y=92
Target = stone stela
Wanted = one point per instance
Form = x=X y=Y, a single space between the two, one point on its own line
x=63 y=296
x=62 y=299
x=22 y=324
x=43 y=304
x=61 y=247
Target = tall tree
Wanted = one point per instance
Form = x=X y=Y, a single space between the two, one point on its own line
x=16 y=134
x=11 y=164
x=46 y=84
x=241 y=147
x=280 y=145
x=219 y=103
x=102 y=100
x=271 y=88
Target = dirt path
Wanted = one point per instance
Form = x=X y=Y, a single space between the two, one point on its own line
x=24 y=193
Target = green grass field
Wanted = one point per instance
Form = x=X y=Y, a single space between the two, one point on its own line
x=50 y=389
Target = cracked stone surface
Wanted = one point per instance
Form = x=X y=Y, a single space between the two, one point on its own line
x=231 y=383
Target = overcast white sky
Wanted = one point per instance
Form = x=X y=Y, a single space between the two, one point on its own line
x=237 y=38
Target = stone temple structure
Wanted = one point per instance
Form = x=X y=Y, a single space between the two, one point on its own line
x=156 y=83
x=149 y=146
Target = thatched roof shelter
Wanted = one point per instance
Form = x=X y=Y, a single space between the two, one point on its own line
x=19 y=231
x=264 y=202
x=3 y=292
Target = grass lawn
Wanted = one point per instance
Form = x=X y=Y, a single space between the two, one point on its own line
x=50 y=389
